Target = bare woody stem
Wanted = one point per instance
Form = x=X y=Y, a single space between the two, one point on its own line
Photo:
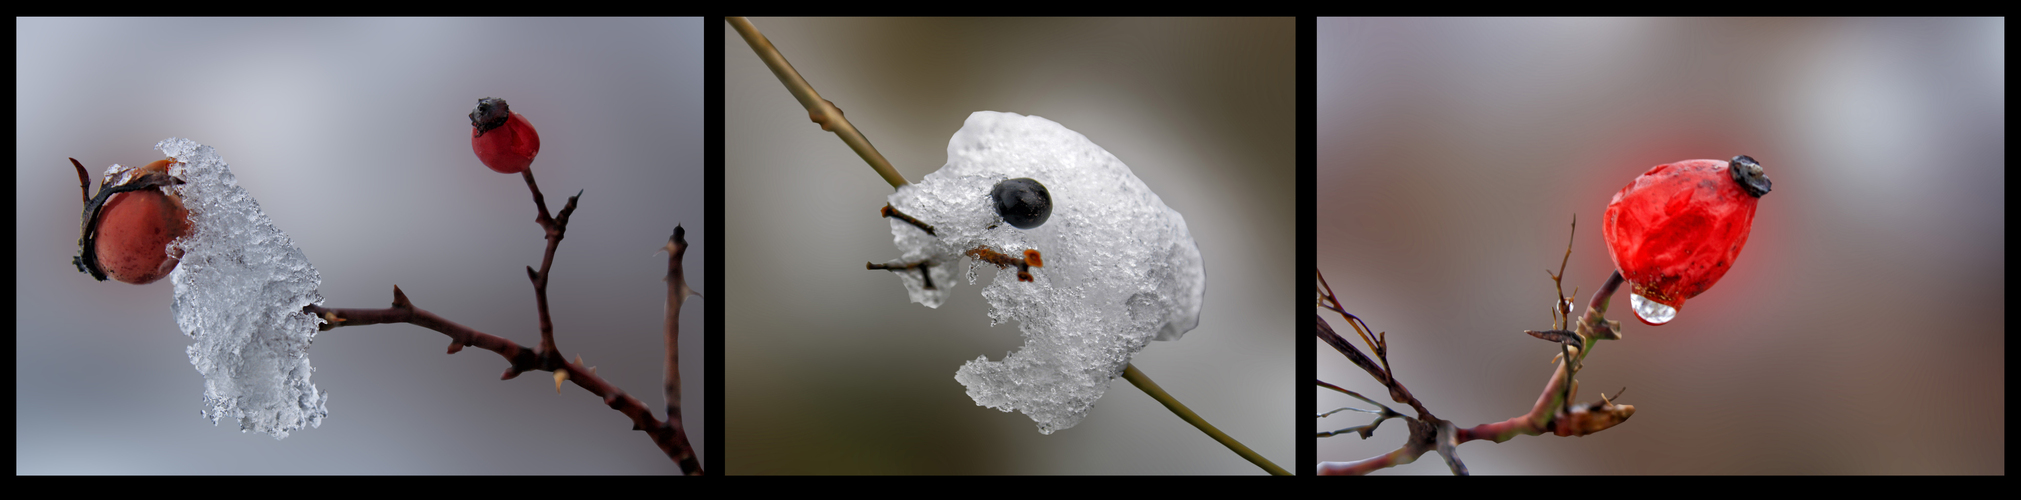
x=819 y=110
x=522 y=359
x=556 y=227
x=1557 y=394
x=823 y=112
x=677 y=293
x=1137 y=378
x=1397 y=391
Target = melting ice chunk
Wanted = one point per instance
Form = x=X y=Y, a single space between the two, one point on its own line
x=239 y=291
x=1119 y=268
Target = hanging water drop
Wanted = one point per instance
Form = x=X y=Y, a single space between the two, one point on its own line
x=1650 y=311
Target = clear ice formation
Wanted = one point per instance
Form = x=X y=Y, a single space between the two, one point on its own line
x=239 y=291
x=1120 y=268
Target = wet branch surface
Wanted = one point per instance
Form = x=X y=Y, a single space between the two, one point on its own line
x=1552 y=414
x=669 y=435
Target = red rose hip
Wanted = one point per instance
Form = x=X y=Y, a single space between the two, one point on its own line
x=1677 y=229
x=129 y=226
x=502 y=139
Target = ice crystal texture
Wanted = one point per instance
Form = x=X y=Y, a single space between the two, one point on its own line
x=1119 y=269
x=239 y=292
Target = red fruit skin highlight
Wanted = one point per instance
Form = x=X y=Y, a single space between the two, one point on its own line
x=1676 y=229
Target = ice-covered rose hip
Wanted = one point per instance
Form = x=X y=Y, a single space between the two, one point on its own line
x=1677 y=229
x=128 y=227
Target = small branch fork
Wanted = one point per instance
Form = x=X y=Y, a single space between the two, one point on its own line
x=670 y=435
x=830 y=118
x=1552 y=413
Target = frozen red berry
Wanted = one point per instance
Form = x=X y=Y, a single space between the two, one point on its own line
x=502 y=139
x=1677 y=229
x=129 y=226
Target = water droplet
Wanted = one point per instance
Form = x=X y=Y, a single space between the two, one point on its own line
x=1650 y=311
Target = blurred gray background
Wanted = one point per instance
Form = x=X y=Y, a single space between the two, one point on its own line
x=352 y=135
x=1860 y=332
x=829 y=369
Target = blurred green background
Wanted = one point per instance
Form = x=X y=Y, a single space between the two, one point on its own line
x=829 y=369
x=1862 y=330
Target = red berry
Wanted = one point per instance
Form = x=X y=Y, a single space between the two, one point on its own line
x=129 y=233
x=1677 y=229
x=502 y=139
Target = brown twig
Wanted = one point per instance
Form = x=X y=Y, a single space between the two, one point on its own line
x=556 y=227
x=521 y=358
x=1397 y=391
x=677 y=293
x=889 y=212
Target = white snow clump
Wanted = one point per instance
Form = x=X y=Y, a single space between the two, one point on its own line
x=1119 y=267
x=239 y=291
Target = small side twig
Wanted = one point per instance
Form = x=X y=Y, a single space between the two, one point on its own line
x=556 y=227
x=1364 y=430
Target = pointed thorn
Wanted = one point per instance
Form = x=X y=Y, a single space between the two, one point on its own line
x=532 y=274
x=559 y=376
x=83 y=181
x=400 y=299
x=455 y=345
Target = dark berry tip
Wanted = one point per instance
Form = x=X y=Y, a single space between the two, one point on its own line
x=489 y=114
x=1749 y=175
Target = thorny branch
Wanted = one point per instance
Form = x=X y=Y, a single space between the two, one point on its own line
x=556 y=227
x=1551 y=414
x=670 y=435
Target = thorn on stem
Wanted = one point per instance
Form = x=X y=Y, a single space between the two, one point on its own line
x=560 y=375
